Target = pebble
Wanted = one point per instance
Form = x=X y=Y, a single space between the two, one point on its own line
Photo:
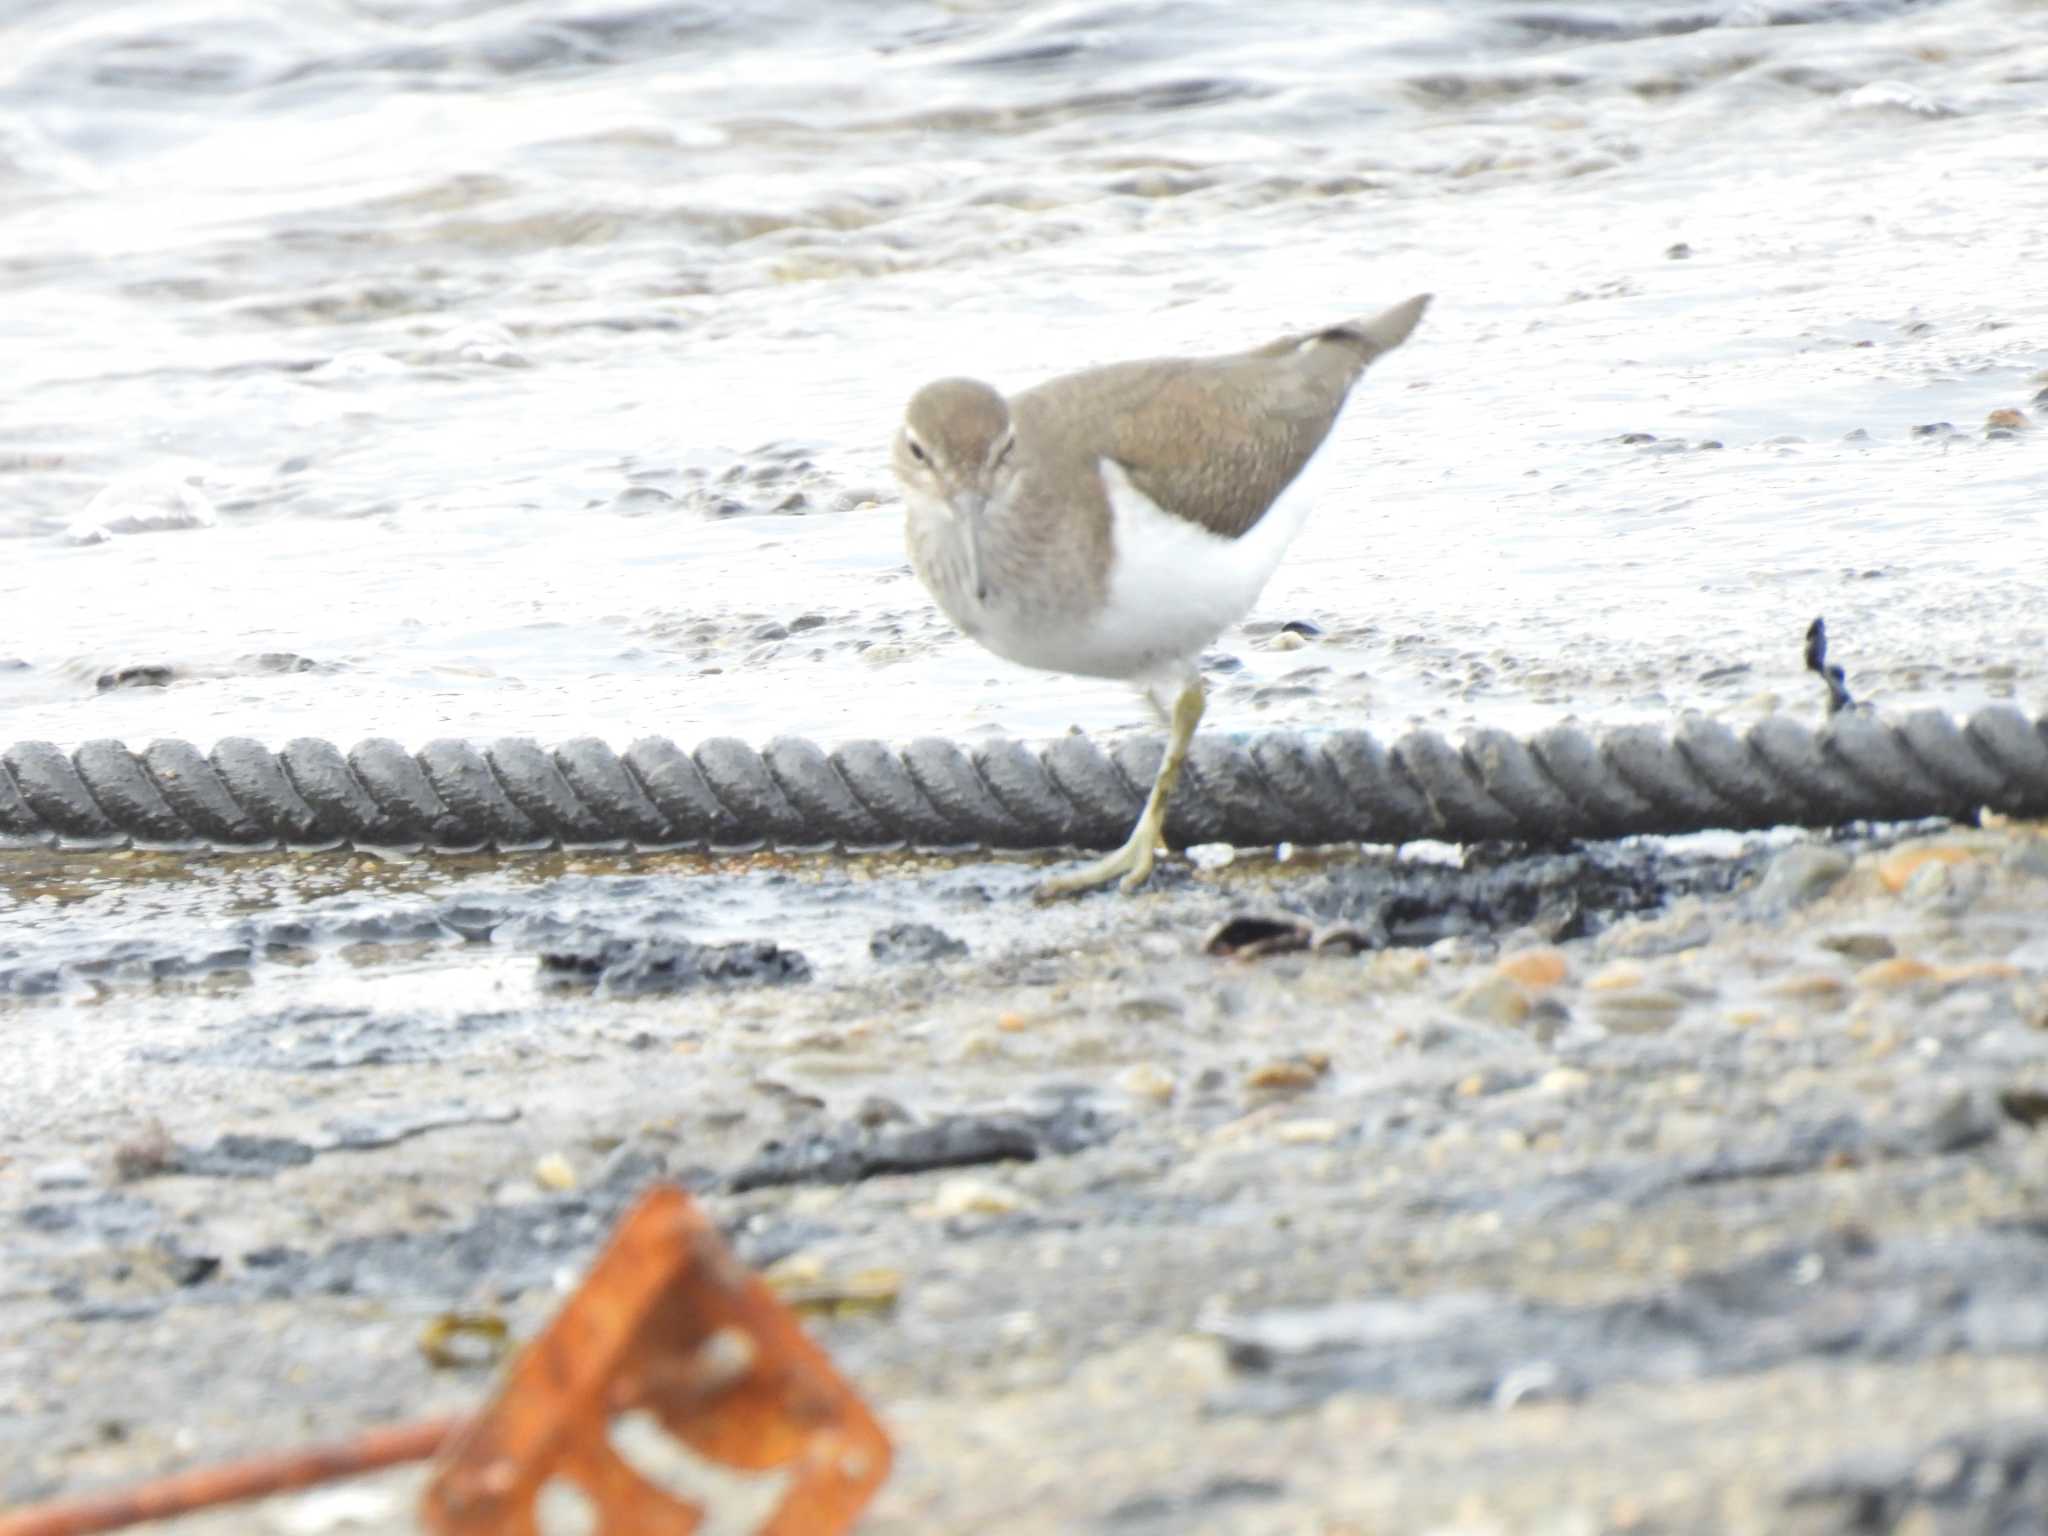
x=1859 y=946
x=1950 y=1121
x=1398 y=967
x=817 y=1200
x=1638 y=1012
x=1540 y=1381
x=145 y=1155
x=1306 y=1132
x=914 y=943
x=2028 y=857
x=2029 y=1106
x=1548 y=1021
x=1289 y=1074
x=1152 y=1008
x=1948 y=890
x=1444 y=1037
x=1247 y=1124
x=2010 y=420
x=1343 y=939
x=1458 y=948
x=807 y=1283
x=877 y=1110
x=804 y=1267
x=637 y=500
x=971 y=1197
x=67 y=1174
x=1615 y=978
x=1977 y=970
x=1815 y=988
x=1897 y=868
x=1563 y=1082
x=1480 y=1085
x=1494 y=999
x=1802 y=875
x=554 y=1172
x=140 y=676
x=1248 y=935
x=1147 y=1080
x=1675 y=932
x=1536 y=969
x=1899 y=971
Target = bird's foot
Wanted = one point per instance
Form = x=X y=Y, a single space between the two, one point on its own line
x=1133 y=862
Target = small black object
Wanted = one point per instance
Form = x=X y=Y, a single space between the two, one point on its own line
x=1833 y=676
x=914 y=943
x=623 y=967
x=1248 y=935
x=146 y=676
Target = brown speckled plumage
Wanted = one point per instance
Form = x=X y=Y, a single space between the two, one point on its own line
x=1010 y=522
x=1113 y=522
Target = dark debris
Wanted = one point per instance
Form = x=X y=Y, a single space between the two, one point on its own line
x=620 y=967
x=914 y=943
x=1901 y=1298
x=1561 y=896
x=851 y=1151
x=1991 y=1481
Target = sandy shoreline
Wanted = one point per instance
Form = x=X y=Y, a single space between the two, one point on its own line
x=1656 y=1211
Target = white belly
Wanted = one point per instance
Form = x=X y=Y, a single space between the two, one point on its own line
x=1173 y=588
x=1173 y=585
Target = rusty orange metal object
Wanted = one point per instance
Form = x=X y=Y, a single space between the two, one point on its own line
x=668 y=1321
x=230 y=1483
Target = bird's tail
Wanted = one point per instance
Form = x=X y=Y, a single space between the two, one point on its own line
x=1382 y=332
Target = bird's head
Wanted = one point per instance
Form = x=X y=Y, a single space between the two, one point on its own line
x=953 y=442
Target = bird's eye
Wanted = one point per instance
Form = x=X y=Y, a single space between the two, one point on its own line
x=917 y=450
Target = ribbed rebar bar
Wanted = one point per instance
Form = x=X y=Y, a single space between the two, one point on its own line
x=1563 y=783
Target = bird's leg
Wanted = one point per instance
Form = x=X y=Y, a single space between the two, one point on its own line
x=1133 y=861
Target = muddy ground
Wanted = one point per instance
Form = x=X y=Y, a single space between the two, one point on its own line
x=1647 y=1187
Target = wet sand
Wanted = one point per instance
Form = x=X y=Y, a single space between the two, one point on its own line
x=1639 y=1189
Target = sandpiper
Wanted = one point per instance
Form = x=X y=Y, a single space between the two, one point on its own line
x=1114 y=522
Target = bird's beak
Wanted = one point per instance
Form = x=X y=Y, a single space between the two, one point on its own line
x=971 y=508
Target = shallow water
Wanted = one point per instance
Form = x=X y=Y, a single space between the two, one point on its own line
x=470 y=350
